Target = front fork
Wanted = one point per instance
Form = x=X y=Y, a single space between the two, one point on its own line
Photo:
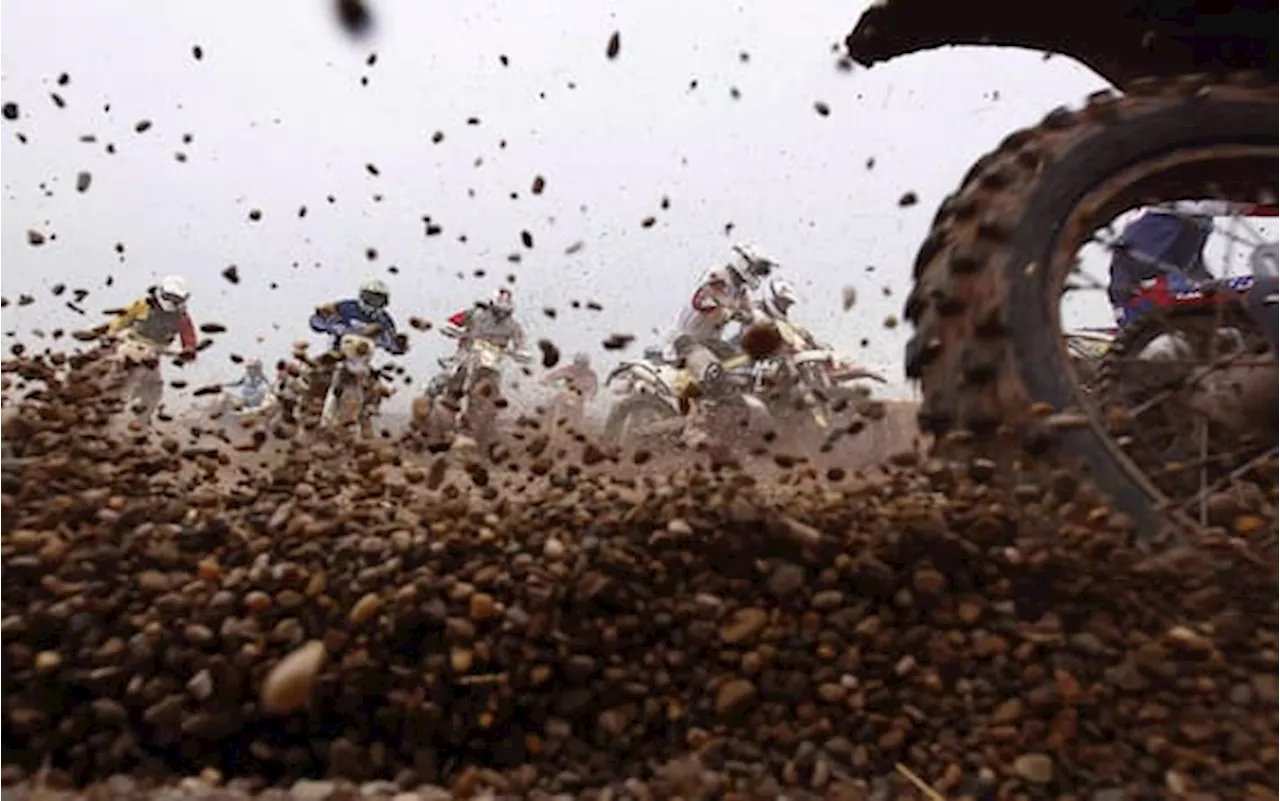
x=144 y=390
x=335 y=400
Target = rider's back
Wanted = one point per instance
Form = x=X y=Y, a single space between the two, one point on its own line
x=1157 y=240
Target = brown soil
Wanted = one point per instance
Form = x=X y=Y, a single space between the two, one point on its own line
x=566 y=622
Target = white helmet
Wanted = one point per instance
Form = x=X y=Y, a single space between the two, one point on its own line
x=779 y=297
x=374 y=295
x=502 y=304
x=171 y=293
x=749 y=265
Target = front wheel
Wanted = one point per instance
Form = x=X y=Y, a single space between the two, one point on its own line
x=636 y=416
x=484 y=398
x=345 y=406
x=988 y=348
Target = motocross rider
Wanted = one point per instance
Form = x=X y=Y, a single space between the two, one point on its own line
x=1173 y=236
x=722 y=296
x=578 y=377
x=776 y=302
x=158 y=317
x=492 y=321
x=253 y=385
x=366 y=314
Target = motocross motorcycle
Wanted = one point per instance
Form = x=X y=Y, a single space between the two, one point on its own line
x=355 y=388
x=469 y=395
x=1195 y=117
x=567 y=409
x=135 y=374
x=806 y=376
x=657 y=393
x=1085 y=348
x=232 y=407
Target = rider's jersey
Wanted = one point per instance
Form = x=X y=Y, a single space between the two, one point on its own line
x=338 y=318
x=480 y=323
x=582 y=380
x=252 y=390
x=1158 y=239
x=710 y=308
x=1170 y=237
x=145 y=318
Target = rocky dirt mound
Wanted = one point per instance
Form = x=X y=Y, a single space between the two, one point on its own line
x=351 y=612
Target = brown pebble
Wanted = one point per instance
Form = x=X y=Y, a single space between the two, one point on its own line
x=289 y=684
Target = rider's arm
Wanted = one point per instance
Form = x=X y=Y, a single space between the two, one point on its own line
x=133 y=313
x=552 y=376
x=326 y=320
x=388 y=338
x=460 y=319
x=709 y=298
x=336 y=318
x=187 y=333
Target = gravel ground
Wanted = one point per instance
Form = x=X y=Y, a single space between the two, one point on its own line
x=349 y=620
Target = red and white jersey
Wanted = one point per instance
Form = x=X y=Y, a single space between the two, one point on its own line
x=710 y=307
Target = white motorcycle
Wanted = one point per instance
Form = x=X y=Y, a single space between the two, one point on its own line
x=136 y=376
x=804 y=375
x=351 y=397
x=653 y=396
x=469 y=395
x=232 y=407
x=657 y=393
x=567 y=409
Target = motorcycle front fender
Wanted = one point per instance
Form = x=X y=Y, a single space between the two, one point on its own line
x=1121 y=40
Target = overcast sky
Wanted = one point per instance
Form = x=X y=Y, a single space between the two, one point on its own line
x=279 y=119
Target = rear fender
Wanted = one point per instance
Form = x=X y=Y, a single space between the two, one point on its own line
x=1121 y=40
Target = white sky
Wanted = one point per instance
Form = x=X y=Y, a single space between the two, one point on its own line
x=280 y=120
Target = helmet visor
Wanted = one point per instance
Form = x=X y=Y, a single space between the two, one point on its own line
x=376 y=300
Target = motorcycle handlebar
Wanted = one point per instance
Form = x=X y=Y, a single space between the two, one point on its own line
x=859 y=372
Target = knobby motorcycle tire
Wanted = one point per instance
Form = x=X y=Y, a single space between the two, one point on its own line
x=986 y=349
x=625 y=408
